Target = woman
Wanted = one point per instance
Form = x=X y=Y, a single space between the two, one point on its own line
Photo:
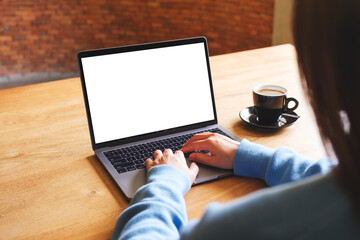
x=323 y=206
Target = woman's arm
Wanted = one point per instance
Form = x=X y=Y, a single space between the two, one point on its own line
x=158 y=210
x=253 y=160
x=277 y=166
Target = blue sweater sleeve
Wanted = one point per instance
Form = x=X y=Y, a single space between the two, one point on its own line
x=276 y=166
x=157 y=210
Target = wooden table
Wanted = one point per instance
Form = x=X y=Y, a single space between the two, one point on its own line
x=53 y=187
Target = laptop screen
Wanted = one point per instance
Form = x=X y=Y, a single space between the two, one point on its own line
x=133 y=93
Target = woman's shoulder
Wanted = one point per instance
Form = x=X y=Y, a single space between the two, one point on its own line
x=312 y=208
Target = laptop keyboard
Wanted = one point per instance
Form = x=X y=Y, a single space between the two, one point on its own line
x=132 y=158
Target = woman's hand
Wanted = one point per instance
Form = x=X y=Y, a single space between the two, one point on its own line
x=177 y=160
x=221 y=150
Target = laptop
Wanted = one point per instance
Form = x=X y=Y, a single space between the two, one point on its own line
x=144 y=97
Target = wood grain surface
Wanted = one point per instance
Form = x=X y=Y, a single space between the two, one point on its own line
x=53 y=187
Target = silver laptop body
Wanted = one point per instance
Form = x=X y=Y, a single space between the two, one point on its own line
x=139 y=95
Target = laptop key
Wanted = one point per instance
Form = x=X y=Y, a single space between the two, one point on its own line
x=143 y=151
x=127 y=164
x=135 y=153
x=148 y=155
x=132 y=168
x=115 y=158
x=121 y=170
x=119 y=161
x=140 y=166
x=109 y=154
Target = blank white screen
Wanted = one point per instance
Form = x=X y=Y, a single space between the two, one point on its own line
x=145 y=91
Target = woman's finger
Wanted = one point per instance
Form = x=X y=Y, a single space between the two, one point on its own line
x=158 y=154
x=200 y=136
x=202 y=158
x=199 y=145
x=148 y=164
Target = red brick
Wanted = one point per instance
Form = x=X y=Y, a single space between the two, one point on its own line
x=44 y=36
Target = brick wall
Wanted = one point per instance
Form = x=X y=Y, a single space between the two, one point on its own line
x=43 y=36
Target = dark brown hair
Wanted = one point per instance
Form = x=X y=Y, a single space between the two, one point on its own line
x=327 y=40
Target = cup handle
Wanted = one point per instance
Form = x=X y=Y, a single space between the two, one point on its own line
x=287 y=101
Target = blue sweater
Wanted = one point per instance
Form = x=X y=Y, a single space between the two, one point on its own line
x=315 y=208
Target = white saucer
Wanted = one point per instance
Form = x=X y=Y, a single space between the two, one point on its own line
x=248 y=116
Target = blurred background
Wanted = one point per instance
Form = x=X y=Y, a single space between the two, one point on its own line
x=39 y=39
